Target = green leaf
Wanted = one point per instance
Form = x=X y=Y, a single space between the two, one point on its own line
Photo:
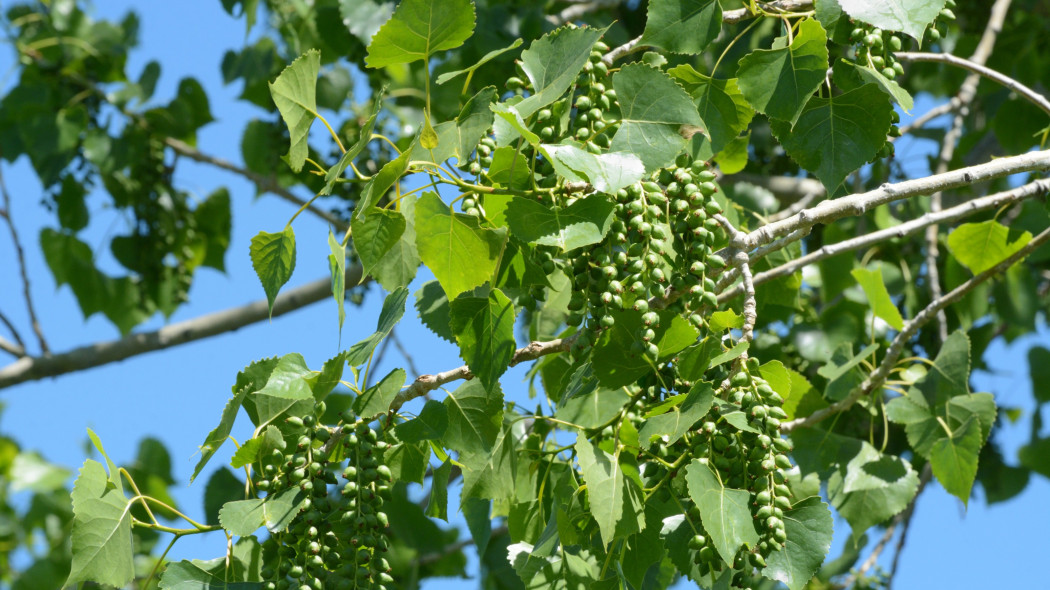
x=376 y=400
x=513 y=125
x=408 y=461
x=867 y=75
x=446 y=239
x=389 y=316
x=220 y=433
x=583 y=223
x=387 y=177
x=1036 y=456
x=682 y=26
x=841 y=371
x=430 y=424
x=584 y=403
x=954 y=459
x=474 y=122
x=878 y=297
x=474 y=418
x=375 y=235
x=980 y=246
x=802 y=397
x=428 y=138
x=779 y=82
x=723 y=511
x=364 y=136
x=273 y=258
x=490 y=474
x=434 y=310
x=908 y=16
x=242 y=517
x=658 y=116
x=552 y=63
x=295 y=94
x=607 y=173
x=720 y=104
x=102 y=548
x=290 y=379
x=337 y=268
x=950 y=374
x=484 y=329
x=438 y=505
x=732 y=354
x=202 y=575
x=398 y=266
x=617 y=364
x=671 y=426
x=809 y=527
x=473 y=67
x=607 y=489
x=835 y=136
x=1039 y=369
x=364 y=17
x=276 y=512
x=419 y=29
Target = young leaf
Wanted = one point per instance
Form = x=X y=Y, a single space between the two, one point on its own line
x=273 y=258
x=220 y=433
x=906 y=16
x=419 y=29
x=878 y=297
x=295 y=94
x=428 y=138
x=834 y=136
x=779 y=82
x=389 y=316
x=102 y=550
x=364 y=136
x=484 y=329
x=290 y=379
x=682 y=26
x=954 y=459
x=980 y=246
x=473 y=67
x=658 y=116
x=446 y=240
x=376 y=399
x=552 y=63
x=809 y=527
x=583 y=223
x=337 y=267
x=1039 y=369
x=723 y=511
x=375 y=188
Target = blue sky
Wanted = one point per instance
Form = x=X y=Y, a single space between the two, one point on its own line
x=177 y=395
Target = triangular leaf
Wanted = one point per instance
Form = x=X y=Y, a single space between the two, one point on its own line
x=295 y=94
x=419 y=29
x=779 y=82
x=446 y=240
x=273 y=258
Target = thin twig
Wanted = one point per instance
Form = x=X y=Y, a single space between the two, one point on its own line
x=857 y=204
x=906 y=519
x=427 y=383
x=578 y=10
x=18 y=347
x=876 y=379
x=404 y=354
x=265 y=184
x=1031 y=95
x=21 y=256
x=12 y=348
x=956 y=213
x=966 y=94
x=103 y=353
x=929 y=115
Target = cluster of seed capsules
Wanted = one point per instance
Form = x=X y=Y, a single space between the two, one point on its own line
x=338 y=539
x=753 y=458
x=875 y=47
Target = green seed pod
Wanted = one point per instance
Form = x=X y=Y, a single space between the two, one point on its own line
x=294 y=421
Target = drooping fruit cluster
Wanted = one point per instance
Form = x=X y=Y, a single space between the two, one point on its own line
x=337 y=539
x=740 y=441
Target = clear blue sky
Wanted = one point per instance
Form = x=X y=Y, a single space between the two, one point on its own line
x=177 y=395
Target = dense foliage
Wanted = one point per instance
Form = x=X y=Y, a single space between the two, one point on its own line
x=742 y=312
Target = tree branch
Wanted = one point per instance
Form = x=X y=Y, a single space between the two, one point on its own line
x=578 y=10
x=427 y=383
x=876 y=379
x=1034 y=97
x=995 y=201
x=103 y=353
x=21 y=256
x=857 y=204
x=265 y=184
